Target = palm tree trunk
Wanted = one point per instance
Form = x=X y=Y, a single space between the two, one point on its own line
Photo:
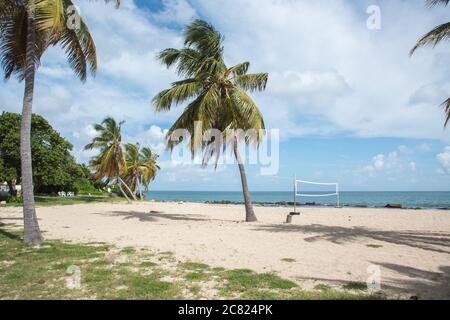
x=31 y=232
x=119 y=183
x=249 y=213
x=140 y=190
x=128 y=188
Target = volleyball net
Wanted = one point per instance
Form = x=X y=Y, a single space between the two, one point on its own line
x=312 y=189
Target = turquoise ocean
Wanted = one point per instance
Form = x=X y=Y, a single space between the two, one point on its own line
x=408 y=199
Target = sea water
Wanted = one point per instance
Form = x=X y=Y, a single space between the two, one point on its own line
x=410 y=199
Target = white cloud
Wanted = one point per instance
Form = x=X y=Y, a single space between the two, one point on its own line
x=405 y=149
x=444 y=159
x=390 y=165
x=177 y=11
x=301 y=84
x=290 y=37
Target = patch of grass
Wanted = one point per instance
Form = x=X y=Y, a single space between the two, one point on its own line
x=150 y=287
x=193 y=266
x=322 y=287
x=361 y=286
x=196 y=276
x=218 y=269
x=245 y=279
x=148 y=264
x=45 y=201
x=195 y=289
x=41 y=273
x=288 y=260
x=374 y=246
x=128 y=250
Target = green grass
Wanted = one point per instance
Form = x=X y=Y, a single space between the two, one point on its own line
x=43 y=201
x=361 y=286
x=322 y=287
x=193 y=266
x=195 y=276
x=41 y=273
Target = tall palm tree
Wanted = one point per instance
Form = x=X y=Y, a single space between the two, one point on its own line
x=433 y=38
x=150 y=168
x=216 y=95
x=141 y=167
x=110 y=163
x=27 y=29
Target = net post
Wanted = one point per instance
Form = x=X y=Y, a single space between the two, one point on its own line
x=337 y=192
x=295 y=192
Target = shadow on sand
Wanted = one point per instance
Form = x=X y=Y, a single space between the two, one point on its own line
x=431 y=241
x=424 y=284
x=154 y=216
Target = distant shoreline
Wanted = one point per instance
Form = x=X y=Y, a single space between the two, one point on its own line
x=302 y=204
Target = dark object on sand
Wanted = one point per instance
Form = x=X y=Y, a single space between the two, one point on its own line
x=393 y=206
x=290 y=215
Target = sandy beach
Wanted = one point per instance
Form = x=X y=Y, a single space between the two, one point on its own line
x=323 y=245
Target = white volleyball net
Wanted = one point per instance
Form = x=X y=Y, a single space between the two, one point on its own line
x=310 y=189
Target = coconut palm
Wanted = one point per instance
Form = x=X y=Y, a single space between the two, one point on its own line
x=141 y=167
x=150 y=167
x=433 y=38
x=215 y=95
x=27 y=29
x=110 y=163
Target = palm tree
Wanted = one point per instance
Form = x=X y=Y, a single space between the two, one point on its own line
x=110 y=163
x=150 y=166
x=27 y=29
x=141 y=167
x=216 y=95
x=433 y=38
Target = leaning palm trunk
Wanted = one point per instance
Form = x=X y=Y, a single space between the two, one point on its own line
x=128 y=188
x=139 y=187
x=249 y=213
x=31 y=232
x=119 y=183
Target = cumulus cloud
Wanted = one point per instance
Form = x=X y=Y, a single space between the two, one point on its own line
x=391 y=164
x=176 y=11
x=444 y=159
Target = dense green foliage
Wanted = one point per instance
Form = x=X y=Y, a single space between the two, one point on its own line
x=54 y=168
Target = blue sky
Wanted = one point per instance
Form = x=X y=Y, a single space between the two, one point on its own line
x=350 y=104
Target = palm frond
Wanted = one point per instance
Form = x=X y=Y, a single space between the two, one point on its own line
x=49 y=15
x=252 y=82
x=438 y=34
x=432 y=3
x=13 y=39
x=79 y=47
x=248 y=114
x=239 y=69
x=203 y=37
x=180 y=92
x=201 y=110
x=446 y=106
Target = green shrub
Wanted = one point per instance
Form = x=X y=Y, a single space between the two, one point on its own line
x=14 y=200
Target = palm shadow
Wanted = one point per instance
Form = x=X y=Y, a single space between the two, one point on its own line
x=154 y=216
x=425 y=284
x=9 y=235
x=431 y=241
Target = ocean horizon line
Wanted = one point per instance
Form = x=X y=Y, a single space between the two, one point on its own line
x=284 y=191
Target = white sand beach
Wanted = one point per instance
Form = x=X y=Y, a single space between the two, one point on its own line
x=328 y=245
